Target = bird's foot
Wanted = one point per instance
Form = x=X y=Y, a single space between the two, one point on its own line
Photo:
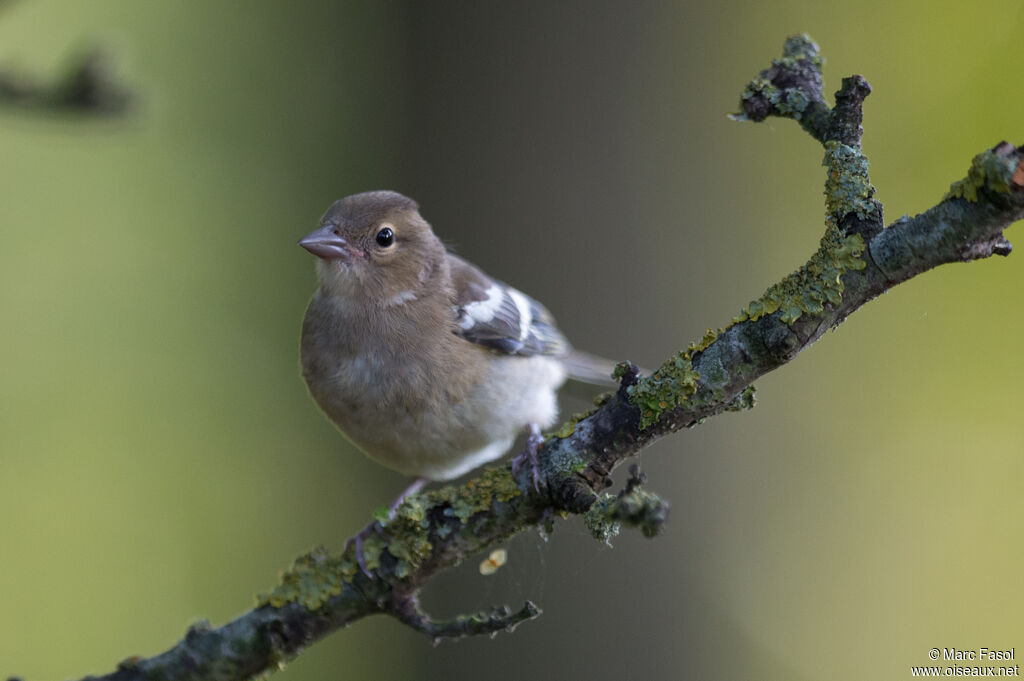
x=376 y=526
x=534 y=440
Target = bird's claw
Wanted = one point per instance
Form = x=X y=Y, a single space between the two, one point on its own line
x=376 y=526
x=534 y=441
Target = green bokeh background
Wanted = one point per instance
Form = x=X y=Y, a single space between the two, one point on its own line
x=160 y=460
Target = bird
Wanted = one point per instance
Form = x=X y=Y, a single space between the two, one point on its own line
x=425 y=363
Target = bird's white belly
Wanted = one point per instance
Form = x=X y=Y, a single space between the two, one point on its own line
x=446 y=439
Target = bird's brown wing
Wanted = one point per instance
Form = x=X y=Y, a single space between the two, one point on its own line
x=493 y=314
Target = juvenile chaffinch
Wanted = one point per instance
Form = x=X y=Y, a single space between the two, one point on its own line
x=424 y=362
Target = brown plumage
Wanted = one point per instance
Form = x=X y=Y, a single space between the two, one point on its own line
x=424 y=362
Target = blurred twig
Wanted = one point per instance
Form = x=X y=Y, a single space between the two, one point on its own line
x=85 y=86
x=858 y=259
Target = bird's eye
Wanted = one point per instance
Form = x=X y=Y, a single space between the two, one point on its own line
x=385 y=237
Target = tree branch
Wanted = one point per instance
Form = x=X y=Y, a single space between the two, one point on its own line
x=858 y=259
x=86 y=86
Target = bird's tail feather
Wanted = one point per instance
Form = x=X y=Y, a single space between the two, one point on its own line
x=587 y=368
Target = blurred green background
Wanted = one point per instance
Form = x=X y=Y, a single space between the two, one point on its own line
x=160 y=460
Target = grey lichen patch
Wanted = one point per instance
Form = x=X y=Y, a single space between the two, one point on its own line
x=794 y=103
x=311 y=581
x=568 y=428
x=763 y=96
x=667 y=388
x=785 y=102
x=744 y=401
x=988 y=170
x=761 y=87
x=800 y=48
x=633 y=506
x=601 y=521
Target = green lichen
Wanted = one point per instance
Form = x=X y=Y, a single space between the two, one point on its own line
x=820 y=281
x=317 y=576
x=665 y=389
x=794 y=103
x=569 y=427
x=847 y=188
x=710 y=336
x=763 y=88
x=311 y=581
x=785 y=102
x=406 y=537
x=620 y=370
x=988 y=170
x=477 y=495
x=807 y=290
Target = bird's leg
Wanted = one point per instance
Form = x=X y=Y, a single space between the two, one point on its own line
x=375 y=525
x=415 y=486
x=534 y=440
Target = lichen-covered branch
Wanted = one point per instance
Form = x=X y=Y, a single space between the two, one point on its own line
x=858 y=258
x=85 y=86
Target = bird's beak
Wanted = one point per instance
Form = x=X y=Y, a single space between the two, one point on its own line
x=324 y=243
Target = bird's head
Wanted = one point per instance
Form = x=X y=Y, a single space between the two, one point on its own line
x=376 y=248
